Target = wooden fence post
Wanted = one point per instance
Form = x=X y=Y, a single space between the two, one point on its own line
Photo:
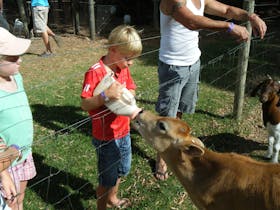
x=91 y=19
x=23 y=17
x=76 y=16
x=242 y=66
x=156 y=14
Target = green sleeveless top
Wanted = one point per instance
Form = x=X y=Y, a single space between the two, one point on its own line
x=16 y=123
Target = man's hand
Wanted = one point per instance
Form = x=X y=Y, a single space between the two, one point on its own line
x=258 y=25
x=240 y=33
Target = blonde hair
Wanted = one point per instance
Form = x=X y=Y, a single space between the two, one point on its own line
x=126 y=39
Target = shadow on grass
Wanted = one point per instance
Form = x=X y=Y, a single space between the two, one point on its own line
x=136 y=150
x=61 y=118
x=144 y=101
x=227 y=142
x=200 y=111
x=59 y=188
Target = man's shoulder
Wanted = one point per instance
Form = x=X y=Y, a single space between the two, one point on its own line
x=168 y=7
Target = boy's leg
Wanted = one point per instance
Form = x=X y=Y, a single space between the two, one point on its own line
x=107 y=170
x=114 y=201
x=102 y=197
x=50 y=32
x=124 y=146
x=56 y=38
x=46 y=41
x=112 y=194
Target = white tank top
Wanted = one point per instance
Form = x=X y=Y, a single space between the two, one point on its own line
x=179 y=45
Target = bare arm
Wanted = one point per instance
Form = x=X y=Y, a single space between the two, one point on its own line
x=178 y=10
x=216 y=8
x=92 y=103
x=9 y=187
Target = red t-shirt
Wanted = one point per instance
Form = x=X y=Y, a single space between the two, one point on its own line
x=105 y=124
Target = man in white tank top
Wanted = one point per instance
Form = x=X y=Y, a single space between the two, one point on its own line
x=179 y=55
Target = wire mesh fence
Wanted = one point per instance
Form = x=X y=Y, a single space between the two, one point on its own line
x=56 y=184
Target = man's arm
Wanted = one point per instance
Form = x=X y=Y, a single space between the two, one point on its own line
x=216 y=8
x=178 y=10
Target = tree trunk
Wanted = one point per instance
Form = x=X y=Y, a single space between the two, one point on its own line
x=23 y=17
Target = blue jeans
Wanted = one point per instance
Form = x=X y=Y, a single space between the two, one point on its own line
x=178 y=88
x=114 y=159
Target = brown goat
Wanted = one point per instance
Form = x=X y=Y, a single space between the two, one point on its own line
x=214 y=181
x=267 y=91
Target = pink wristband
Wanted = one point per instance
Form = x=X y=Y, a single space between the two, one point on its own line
x=231 y=26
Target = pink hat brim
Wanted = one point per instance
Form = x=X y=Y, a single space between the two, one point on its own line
x=12 y=45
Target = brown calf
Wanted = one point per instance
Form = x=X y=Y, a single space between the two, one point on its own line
x=214 y=181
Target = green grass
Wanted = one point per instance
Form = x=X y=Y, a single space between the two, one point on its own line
x=65 y=158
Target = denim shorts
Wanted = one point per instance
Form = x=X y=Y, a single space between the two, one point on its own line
x=114 y=159
x=178 y=88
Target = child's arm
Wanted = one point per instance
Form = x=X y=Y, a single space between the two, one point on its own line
x=91 y=103
x=7 y=155
x=9 y=187
x=114 y=92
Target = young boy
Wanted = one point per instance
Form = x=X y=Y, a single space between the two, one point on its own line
x=111 y=132
x=16 y=123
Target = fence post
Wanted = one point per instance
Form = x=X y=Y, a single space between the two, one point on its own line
x=156 y=14
x=242 y=66
x=91 y=19
x=23 y=17
x=76 y=16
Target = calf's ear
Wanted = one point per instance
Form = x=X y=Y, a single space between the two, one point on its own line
x=193 y=150
x=191 y=146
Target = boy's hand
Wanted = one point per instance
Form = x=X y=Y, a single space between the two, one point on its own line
x=114 y=92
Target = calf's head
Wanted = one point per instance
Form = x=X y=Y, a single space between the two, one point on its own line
x=164 y=133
